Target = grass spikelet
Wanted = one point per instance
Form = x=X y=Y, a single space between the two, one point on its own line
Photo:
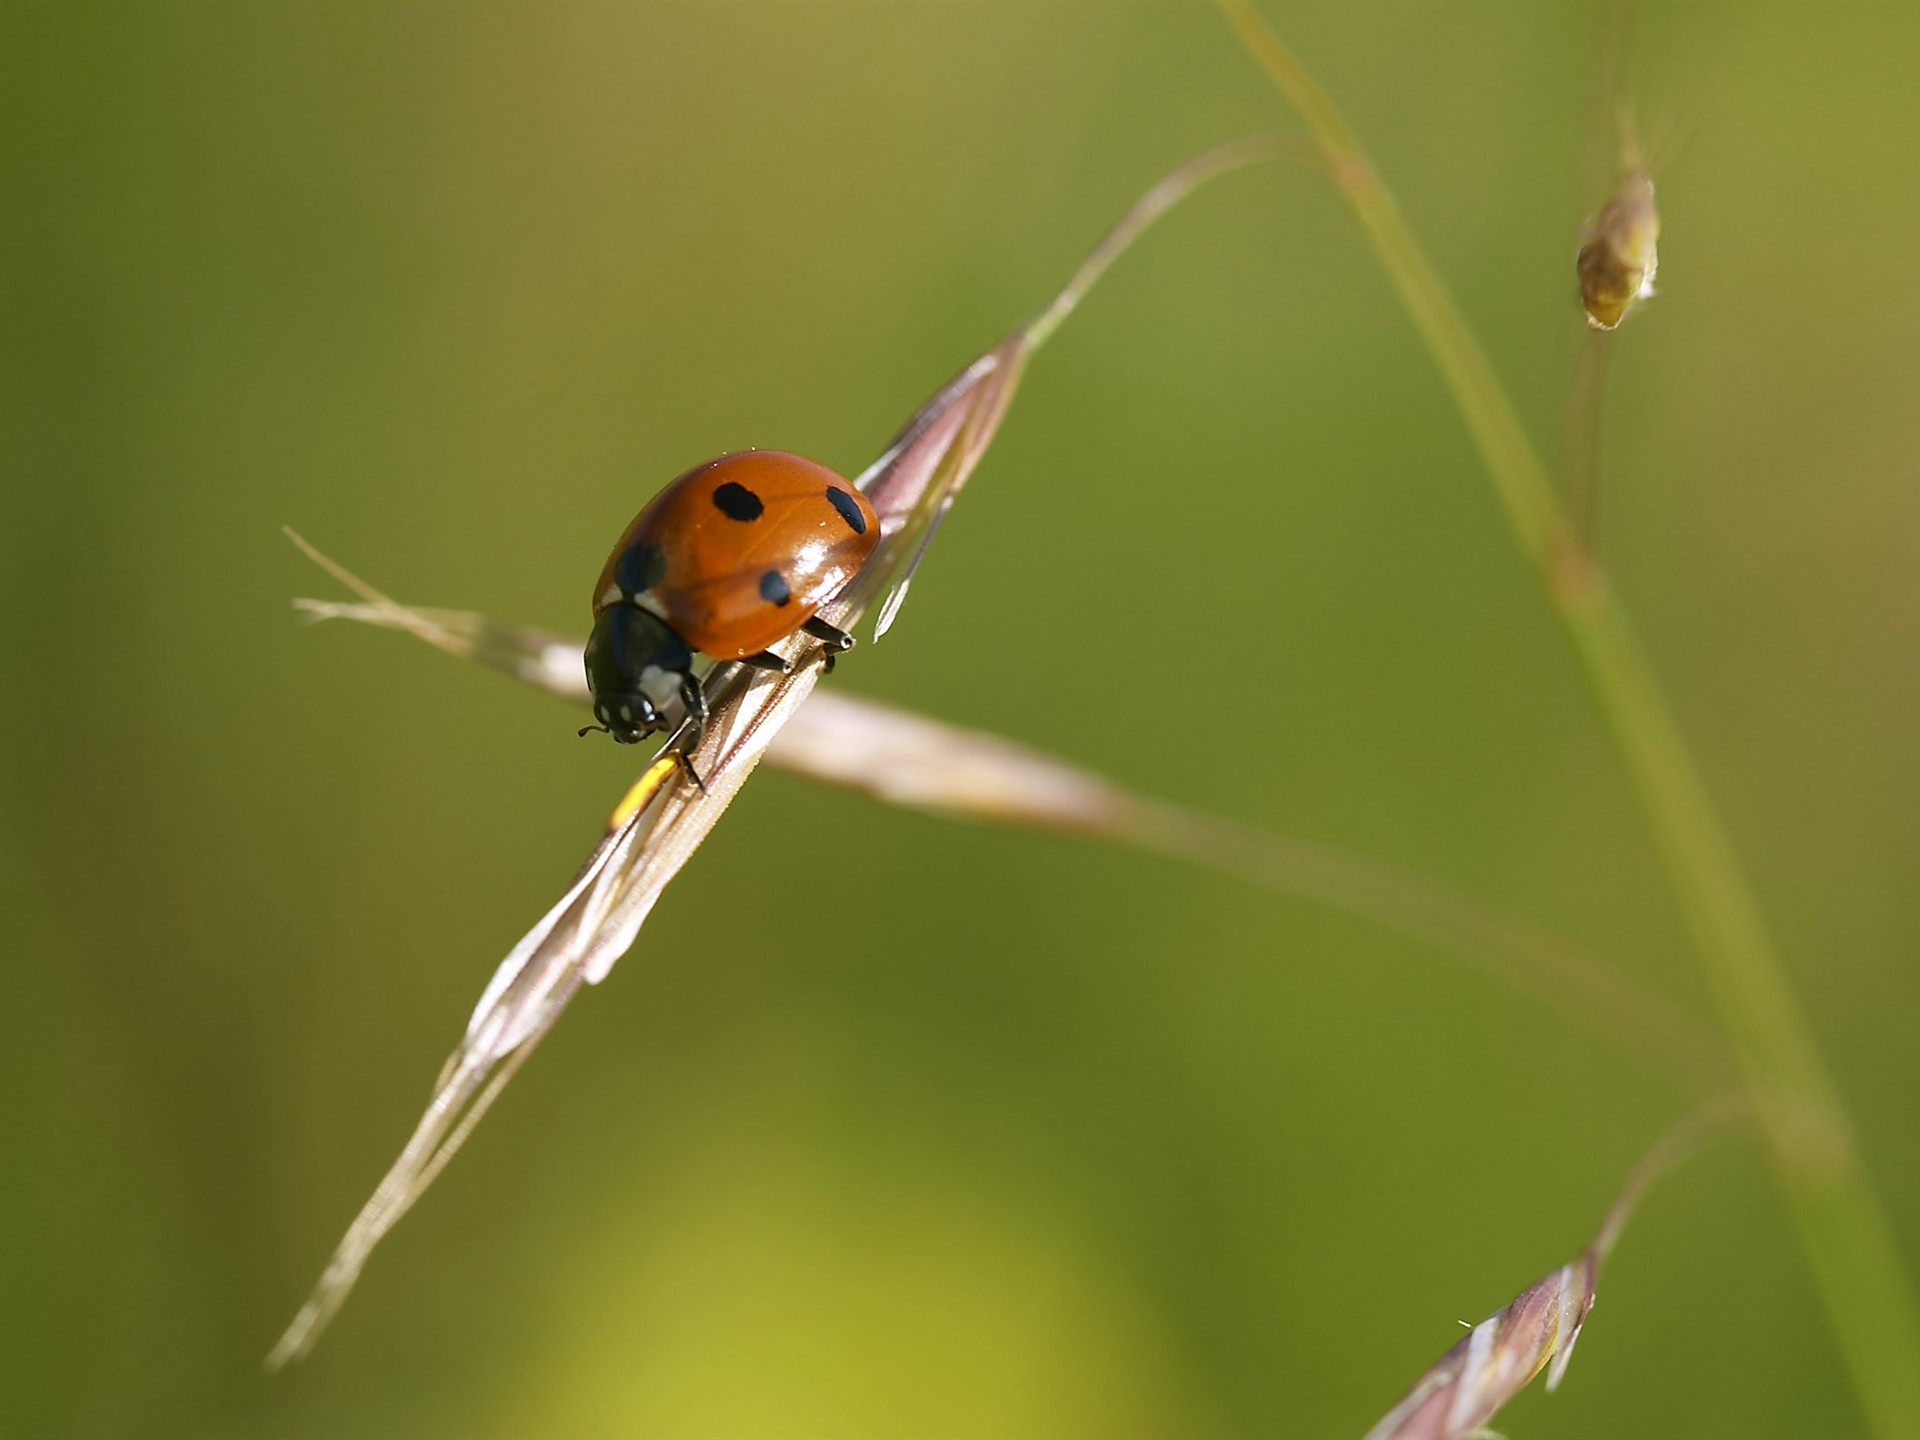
x=1615 y=266
x=1620 y=252
x=1619 y=246
x=664 y=818
x=1536 y=1330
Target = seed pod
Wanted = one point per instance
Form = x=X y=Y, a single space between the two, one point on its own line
x=1536 y=1330
x=1494 y=1361
x=1620 y=252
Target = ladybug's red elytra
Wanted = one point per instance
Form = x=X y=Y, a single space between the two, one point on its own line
x=734 y=556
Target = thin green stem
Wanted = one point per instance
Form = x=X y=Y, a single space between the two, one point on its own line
x=1586 y=422
x=1529 y=959
x=1849 y=1241
x=1671 y=1150
x=1171 y=190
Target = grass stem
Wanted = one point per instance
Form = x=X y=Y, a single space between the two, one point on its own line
x=1586 y=424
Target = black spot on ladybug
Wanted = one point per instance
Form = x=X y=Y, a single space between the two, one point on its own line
x=773 y=588
x=849 y=511
x=736 y=502
x=641 y=568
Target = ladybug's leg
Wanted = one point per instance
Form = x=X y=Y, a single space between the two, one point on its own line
x=767 y=660
x=838 y=641
x=694 y=696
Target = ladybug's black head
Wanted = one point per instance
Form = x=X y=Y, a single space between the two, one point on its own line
x=636 y=666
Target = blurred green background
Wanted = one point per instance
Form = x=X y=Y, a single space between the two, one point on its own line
x=892 y=1127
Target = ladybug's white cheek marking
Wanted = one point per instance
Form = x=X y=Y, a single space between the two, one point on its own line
x=612 y=595
x=659 y=686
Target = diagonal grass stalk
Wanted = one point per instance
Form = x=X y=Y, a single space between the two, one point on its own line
x=1843 y=1226
x=902 y=758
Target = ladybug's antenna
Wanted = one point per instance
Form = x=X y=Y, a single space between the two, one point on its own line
x=586 y=730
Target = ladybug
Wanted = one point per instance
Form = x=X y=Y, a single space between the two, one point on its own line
x=734 y=556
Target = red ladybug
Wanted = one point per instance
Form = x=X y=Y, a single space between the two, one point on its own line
x=734 y=556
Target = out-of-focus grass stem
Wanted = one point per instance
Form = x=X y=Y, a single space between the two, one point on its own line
x=1496 y=430
x=1586 y=423
x=1857 y=1263
x=1531 y=960
x=1609 y=79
